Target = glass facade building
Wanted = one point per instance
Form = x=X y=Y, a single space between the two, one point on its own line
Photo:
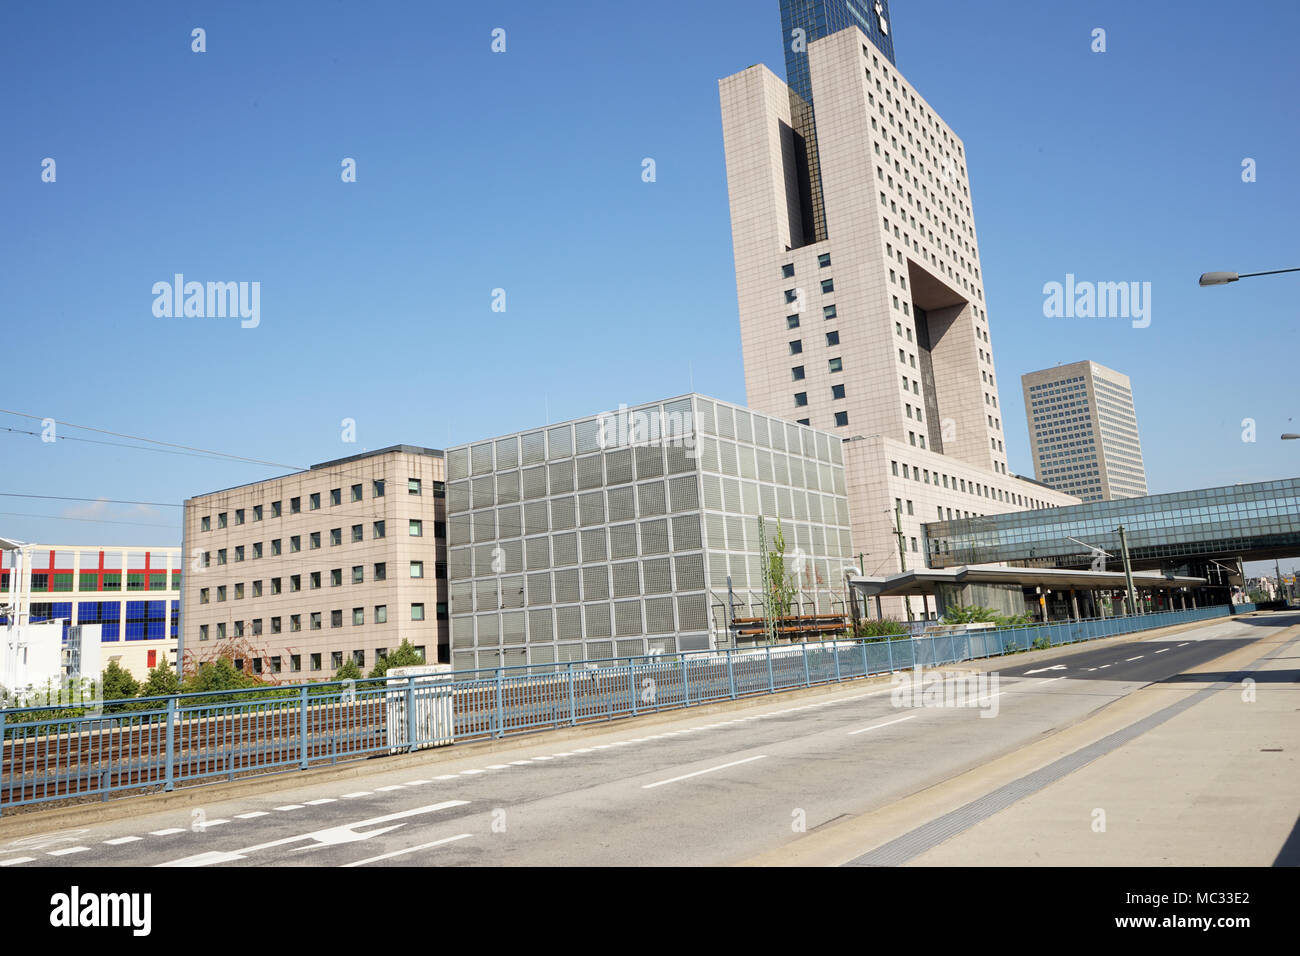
x=1253 y=521
x=802 y=22
x=618 y=535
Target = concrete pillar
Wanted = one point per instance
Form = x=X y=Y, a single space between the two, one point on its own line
x=879 y=614
x=925 y=607
x=1074 y=602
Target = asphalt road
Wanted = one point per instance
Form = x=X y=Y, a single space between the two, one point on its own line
x=701 y=790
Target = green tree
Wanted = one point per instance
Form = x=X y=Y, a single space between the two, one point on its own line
x=218 y=675
x=873 y=629
x=162 y=682
x=405 y=656
x=118 y=684
x=349 y=671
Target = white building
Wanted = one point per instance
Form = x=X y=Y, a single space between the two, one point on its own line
x=1084 y=431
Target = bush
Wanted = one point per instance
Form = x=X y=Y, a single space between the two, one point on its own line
x=405 y=656
x=162 y=682
x=876 y=630
x=349 y=671
x=1042 y=643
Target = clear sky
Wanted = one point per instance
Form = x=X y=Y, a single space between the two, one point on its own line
x=522 y=171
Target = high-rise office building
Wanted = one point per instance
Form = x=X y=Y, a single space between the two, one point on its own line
x=1084 y=431
x=871 y=325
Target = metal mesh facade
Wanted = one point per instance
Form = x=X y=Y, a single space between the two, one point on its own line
x=615 y=535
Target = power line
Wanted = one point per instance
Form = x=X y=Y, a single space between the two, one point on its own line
x=115 y=444
x=109 y=501
x=153 y=441
x=139 y=524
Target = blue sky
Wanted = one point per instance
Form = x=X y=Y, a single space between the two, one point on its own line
x=522 y=171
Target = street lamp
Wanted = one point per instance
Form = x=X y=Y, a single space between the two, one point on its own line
x=1290 y=436
x=1223 y=278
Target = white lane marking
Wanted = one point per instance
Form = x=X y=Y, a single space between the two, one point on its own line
x=687 y=776
x=417 y=783
x=1041 y=670
x=1184 y=644
x=602 y=746
x=498 y=766
x=289 y=806
x=1138 y=658
x=1162 y=650
x=120 y=840
x=168 y=832
x=211 y=823
x=513 y=763
x=16 y=860
x=317 y=803
x=66 y=850
x=568 y=753
x=468 y=772
x=580 y=750
x=899 y=720
x=1103 y=667
x=445 y=776
x=1051 y=679
x=331 y=836
x=251 y=815
x=1091 y=669
x=395 y=786
x=413 y=849
x=359 y=793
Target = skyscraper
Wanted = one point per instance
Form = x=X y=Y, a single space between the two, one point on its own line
x=1084 y=432
x=872 y=323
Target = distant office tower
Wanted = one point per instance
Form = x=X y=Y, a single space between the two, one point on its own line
x=1083 y=427
x=871 y=325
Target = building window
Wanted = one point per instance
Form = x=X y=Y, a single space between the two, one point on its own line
x=796 y=346
x=792 y=321
x=275 y=509
x=800 y=399
x=381 y=571
x=336 y=497
x=358 y=573
x=417 y=612
x=358 y=616
x=239 y=516
x=336 y=577
x=791 y=295
x=257 y=589
x=205 y=523
x=828 y=312
x=315 y=662
x=412 y=486
x=377 y=488
x=295 y=506
x=203 y=632
x=836 y=365
x=314 y=501
x=336 y=618
x=314 y=583
x=417 y=569
x=313 y=540
x=257 y=512
x=797 y=373
x=377 y=530
x=203 y=595
x=357 y=532
x=841 y=418
x=832 y=338
x=828 y=285
x=336 y=659
x=239 y=591
x=804 y=421
x=824 y=260
x=787 y=271
x=336 y=536
x=239 y=552
x=295 y=662
x=381 y=613
x=295 y=622
x=837 y=391
x=416 y=529
x=221 y=520
x=221 y=631
x=275 y=585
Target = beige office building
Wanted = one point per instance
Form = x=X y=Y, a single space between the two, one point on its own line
x=877 y=333
x=294 y=575
x=1084 y=431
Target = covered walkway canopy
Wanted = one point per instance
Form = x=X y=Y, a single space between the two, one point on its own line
x=945 y=584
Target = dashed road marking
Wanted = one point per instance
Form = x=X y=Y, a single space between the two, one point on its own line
x=16 y=860
x=317 y=803
x=168 y=832
x=359 y=793
x=1138 y=658
x=413 y=849
x=863 y=730
x=211 y=823
x=251 y=815
x=687 y=776
x=395 y=786
x=289 y=806
x=118 y=841
x=69 y=850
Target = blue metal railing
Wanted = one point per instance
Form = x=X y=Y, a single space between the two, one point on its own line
x=159 y=743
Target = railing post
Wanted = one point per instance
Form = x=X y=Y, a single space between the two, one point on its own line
x=302 y=727
x=501 y=711
x=771 y=682
x=731 y=676
x=889 y=646
x=835 y=649
x=866 y=666
x=686 y=687
x=573 y=708
x=411 y=742
x=2 y=756
x=631 y=684
x=807 y=678
x=171 y=745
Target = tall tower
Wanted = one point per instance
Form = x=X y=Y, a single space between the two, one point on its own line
x=859 y=283
x=1084 y=431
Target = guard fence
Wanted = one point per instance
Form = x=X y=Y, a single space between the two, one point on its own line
x=159 y=743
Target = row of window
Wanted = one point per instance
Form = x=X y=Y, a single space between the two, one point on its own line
x=274 y=664
x=315 y=622
x=378 y=529
x=314 y=578
x=414 y=486
x=953 y=483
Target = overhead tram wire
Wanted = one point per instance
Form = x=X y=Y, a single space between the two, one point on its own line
x=151 y=441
